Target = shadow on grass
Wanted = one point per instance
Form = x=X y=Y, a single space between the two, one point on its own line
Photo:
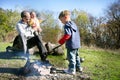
x=7 y=56
x=14 y=71
x=11 y=55
x=10 y=74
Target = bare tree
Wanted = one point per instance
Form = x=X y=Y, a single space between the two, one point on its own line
x=113 y=24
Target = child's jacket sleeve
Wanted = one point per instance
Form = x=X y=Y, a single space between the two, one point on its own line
x=64 y=39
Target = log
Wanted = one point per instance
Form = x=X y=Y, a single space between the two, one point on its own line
x=18 y=46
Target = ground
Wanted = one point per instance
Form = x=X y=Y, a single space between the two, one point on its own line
x=12 y=62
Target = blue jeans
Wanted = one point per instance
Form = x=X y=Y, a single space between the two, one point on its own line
x=73 y=58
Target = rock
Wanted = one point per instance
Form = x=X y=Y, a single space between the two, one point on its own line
x=18 y=46
x=58 y=51
x=37 y=68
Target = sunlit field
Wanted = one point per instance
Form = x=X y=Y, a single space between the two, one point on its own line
x=99 y=64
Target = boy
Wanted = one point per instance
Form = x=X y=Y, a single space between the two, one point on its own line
x=72 y=39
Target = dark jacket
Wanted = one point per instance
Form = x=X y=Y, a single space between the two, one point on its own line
x=71 y=29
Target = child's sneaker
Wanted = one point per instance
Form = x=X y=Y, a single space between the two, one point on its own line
x=70 y=72
x=79 y=69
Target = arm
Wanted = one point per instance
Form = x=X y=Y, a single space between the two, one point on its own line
x=38 y=25
x=64 y=39
x=22 y=30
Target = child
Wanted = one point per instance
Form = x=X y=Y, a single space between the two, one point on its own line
x=72 y=39
x=34 y=22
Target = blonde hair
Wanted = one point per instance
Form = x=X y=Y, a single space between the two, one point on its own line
x=64 y=13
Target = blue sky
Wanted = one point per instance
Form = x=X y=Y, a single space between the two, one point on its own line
x=94 y=7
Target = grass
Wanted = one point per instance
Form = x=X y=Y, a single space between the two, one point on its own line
x=100 y=64
x=3 y=46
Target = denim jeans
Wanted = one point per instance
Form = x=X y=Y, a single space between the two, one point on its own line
x=73 y=58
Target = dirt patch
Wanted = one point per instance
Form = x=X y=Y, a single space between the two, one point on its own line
x=11 y=65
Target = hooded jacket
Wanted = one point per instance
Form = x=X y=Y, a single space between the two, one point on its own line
x=71 y=36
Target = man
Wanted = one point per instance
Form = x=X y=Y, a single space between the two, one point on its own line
x=29 y=35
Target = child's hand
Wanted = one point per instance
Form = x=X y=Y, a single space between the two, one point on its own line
x=39 y=30
x=31 y=23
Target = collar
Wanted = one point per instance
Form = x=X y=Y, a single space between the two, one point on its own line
x=21 y=21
